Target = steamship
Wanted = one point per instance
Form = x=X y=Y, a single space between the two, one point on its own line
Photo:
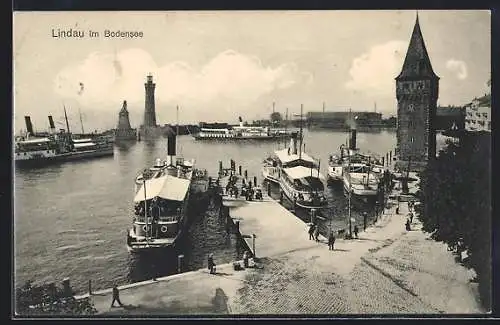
x=161 y=203
x=358 y=172
x=34 y=150
x=298 y=175
x=242 y=132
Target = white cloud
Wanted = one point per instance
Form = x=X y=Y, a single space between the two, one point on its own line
x=458 y=67
x=229 y=80
x=373 y=72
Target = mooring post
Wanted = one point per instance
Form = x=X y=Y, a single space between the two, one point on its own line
x=180 y=258
x=90 y=287
x=66 y=287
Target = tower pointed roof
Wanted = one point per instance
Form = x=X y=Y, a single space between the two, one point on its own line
x=417 y=63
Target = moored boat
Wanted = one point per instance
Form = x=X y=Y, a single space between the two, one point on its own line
x=298 y=175
x=161 y=203
x=32 y=151
x=242 y=132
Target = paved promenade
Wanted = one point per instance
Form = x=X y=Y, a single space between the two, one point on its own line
x=386 y=270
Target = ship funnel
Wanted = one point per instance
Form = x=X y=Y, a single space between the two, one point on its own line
x=29 y=126
x=352 y=140
x=241 y=121
x=51 y=123
x=171 y=147
x=293 y=144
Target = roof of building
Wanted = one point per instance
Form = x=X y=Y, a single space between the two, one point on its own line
x=417 y=63
x=166 y=187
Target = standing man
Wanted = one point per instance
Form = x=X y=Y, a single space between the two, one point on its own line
x=116 y=296
x=356 y=230
x=331 y=241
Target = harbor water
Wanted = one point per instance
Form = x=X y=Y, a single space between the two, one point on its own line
x=71 y=219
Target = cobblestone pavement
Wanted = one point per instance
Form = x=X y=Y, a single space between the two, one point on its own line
x=387 y=270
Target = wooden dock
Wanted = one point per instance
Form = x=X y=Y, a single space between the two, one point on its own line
x=268 y=228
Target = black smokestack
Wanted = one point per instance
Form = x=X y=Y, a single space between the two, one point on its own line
x=352 y=140
x=51 y=122
x=294 y=143
x=171 y=138
x=29 y=126
x=171 y=144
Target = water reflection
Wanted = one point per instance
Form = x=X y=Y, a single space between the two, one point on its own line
x=124 y=145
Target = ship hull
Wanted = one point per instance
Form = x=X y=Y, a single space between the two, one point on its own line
x=231 y=138
x=73 y=156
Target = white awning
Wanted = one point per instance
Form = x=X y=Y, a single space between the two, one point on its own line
x=38 y=140
x=166 y=187
x=302 y=172
x=82 y=145
x=286 y=158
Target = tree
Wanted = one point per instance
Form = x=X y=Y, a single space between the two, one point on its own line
x=455 y=192
x=276 y=117
x=46 y=299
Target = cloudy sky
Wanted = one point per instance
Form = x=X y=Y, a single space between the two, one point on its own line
x=220 y=65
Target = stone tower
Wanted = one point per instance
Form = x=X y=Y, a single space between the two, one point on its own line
x=149 y=111
x=417 y=89
x=124 y=131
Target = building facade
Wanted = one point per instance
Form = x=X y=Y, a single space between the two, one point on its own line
x=417 y=88
x=477 y=117
x=343 y=120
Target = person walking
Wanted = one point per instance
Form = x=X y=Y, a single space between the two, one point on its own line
x=408 y=227
x=356 y=230
x=211 y=264
x=116 y=296
x=311 y=231
x=316 y=233
x=411 y=216
x=331 y=241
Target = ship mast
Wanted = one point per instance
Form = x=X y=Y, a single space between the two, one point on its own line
x=81 y=121
x=177 y=126
x=66 y=118
x=300 y=134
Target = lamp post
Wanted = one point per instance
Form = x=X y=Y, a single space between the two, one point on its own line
x=145 y=206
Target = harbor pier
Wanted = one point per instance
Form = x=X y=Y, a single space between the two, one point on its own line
x=295 y=275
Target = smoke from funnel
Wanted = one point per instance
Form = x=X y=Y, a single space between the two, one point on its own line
x=29 y=126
